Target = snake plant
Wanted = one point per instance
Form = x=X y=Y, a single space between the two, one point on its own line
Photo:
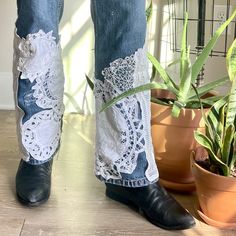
x=220 y=137
x=184 y=92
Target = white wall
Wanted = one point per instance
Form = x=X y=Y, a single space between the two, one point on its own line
x=8 y=15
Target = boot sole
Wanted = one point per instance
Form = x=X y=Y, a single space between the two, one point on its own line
x=31 y=204
x=127 y=202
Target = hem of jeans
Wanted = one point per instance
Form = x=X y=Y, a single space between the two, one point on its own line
x=39 y=163
x=43 y=162
x=132 y=183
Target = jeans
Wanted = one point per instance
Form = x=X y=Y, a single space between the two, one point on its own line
x=124 y=152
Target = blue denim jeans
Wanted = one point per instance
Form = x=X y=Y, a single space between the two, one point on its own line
x=124 y=152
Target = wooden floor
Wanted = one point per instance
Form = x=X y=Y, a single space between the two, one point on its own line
x=77 y=205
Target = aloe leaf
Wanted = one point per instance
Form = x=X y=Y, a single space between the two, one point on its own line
x=207 y=143
x=174 y=63
x=209 y=87
x=90 y=83
x=228 y=140
x=177 y=106
x=159 y=101
x=149 y=11
x=154 y=72
x=133 y=91
x=168 y=81
x=184 y=57
x=185 y=73
x=185 y=82
x=207 y=102
x=197 y=66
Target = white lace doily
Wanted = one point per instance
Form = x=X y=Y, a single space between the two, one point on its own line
x=38 y=58
x=123 y=131
x=36 y=53
x=41 y=134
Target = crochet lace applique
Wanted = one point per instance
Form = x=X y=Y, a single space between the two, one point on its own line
x=123 y=131
x=39 y=60
x=36 y=52
x=41 y=134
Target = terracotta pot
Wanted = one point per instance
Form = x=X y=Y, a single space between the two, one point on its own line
x=216 y=195
x=173 y=141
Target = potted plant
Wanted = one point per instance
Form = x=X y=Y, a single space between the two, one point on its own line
x=215 y=170
x=177 y=115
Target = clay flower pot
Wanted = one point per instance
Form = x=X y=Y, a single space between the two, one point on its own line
x=216 y=195
x=173 y=141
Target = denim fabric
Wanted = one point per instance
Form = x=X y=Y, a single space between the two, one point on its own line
x=33 y=16
x=120 y=30
x=36 y=15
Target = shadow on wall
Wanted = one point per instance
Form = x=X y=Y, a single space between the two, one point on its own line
x=77 y=41
x=77 y=44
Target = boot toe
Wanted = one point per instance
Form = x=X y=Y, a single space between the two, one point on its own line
x=33 y=183
x=33 y=197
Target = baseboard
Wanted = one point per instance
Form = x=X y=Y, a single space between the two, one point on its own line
x=6 y=91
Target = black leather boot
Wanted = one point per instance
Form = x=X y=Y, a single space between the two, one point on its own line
x=33 y=183
x=155 y=203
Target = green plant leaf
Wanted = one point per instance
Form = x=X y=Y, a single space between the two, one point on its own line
x=207 y=102
x=185 y=73
x=197 y=66
x=149 y=11
x=174 y=63
x=177 y=106
x=233 y=159
x=228 y=141
x=221 y=122
x=231 y=61
x=231 y=64
x=184 y=57
x=208 y=87
x=206 y=143
x=158 y=101
x=231 y=110
x=154 y=72
x=133 y=91
x=210 y=129
x=185 y=81
x=90 y=83
x=213 y=116
x=166 y=78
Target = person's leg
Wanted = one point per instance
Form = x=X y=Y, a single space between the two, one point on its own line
x=124 y=152
x=38 y=90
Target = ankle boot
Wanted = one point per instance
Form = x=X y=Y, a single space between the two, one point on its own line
x=155 y=204
x=33 y=183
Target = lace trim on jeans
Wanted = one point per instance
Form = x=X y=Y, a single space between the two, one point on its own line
x=38 y=58
x=123 y=131
x=41 y=134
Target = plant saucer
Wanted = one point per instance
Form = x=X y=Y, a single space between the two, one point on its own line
x=178 y=187
x=209 y=221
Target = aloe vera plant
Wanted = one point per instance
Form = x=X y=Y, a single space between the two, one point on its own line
x=184 y=93
x=220 y=137
x=149 y=11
